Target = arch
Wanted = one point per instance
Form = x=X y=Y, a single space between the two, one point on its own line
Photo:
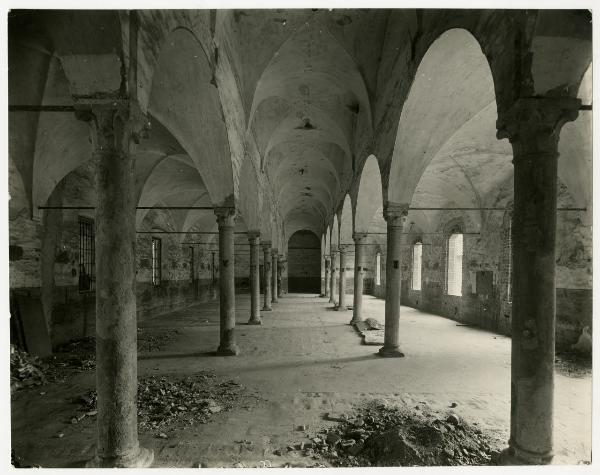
x=346 y=222
x=187 y=102
x=455 y=77
x=370 y=196
x=335 y=234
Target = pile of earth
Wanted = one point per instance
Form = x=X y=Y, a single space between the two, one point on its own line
x=380 y=435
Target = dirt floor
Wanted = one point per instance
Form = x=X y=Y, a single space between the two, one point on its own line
x=304 y=362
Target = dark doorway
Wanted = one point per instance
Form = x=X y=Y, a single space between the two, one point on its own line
x=304 y=263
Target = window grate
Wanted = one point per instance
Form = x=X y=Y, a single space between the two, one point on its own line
x=87 y=255
x=192 y=263
x=156 y=261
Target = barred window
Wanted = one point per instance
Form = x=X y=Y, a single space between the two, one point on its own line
x=378 y=269
x=156 y=261
x=87 y=255
x=191 y=263
x=455 y=258
x=417 y=262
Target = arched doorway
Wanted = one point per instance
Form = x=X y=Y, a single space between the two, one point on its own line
x=304 y=262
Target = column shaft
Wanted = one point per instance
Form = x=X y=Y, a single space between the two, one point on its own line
x=255 y=319
x=359 y=274
x=332 y=278
x=326 y=281
x=226 y=221
x=534 y=134
x=116 y=318
x=275 y=275
x=342 y=281
x=267 y=278
x=394 y=216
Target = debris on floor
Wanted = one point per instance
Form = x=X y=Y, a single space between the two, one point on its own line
x=25 y=369
x=573 y=364
x=174 y=401
x=371 y=331
x=381 y=435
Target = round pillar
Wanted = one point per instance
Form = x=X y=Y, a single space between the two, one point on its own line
x=395 y=215
x=267 y=276
x=226 y=221
x=116 y=317
x=326 y=281
x=359 y=275
x=533 y=127
x=342 y=281
x=253 y=239
x=332 y=277
x=275 y=276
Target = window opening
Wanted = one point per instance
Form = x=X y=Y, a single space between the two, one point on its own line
x=87 y=254
x=455 y=258
x=417 y=262
x=378 y=269
x=156 y=261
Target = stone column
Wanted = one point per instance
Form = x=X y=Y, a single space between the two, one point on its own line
x=533 y=127
x=226 y=221
x=267 y=276
x=323 y=275
x=280 y=269
x=359 y=274
x=253 y=239
x=342 y=281
x=395 y=215
x=332 y=277
x=326 y=281
x=275 y=274
x=112 y=127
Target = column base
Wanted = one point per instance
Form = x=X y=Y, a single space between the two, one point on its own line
x=142 y=458
x=354 y=321
x=255 y=321
x=265 y=309
x=513 y=455
x=341 y=308
x=229 y=350
x=394 y=352
x=322 y=295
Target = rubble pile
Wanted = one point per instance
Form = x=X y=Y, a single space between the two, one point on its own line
x=25 y=370
x=77 y=355
x=168 y=401
x=379 y=435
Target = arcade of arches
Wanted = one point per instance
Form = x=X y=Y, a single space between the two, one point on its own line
x=198 y=171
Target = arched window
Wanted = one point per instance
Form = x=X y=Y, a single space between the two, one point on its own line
x=455 y=258
x=416 y=267
x=378 y=269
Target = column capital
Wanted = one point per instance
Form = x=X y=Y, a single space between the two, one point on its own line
x=253 y=236
x=114 y=123
x=266 y=245
x=225 y=216
x=342 y=249
x=359 y=238
x=533 y=124
x=275 y=252
x=395 y=213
